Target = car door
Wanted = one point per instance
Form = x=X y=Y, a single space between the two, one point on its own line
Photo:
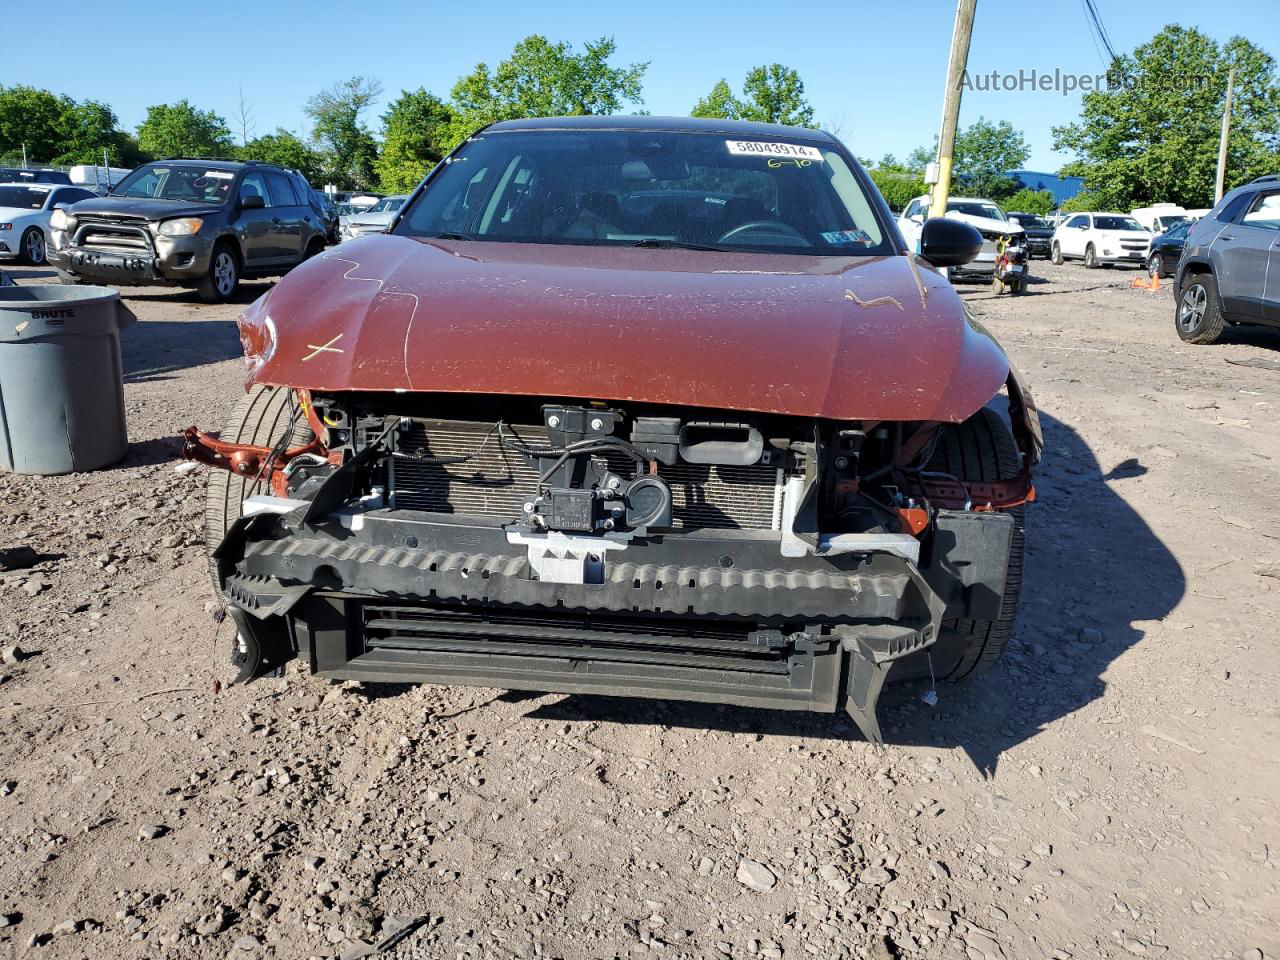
x=1242 y=253
x=1072 y=234
x=257 y=232
x=286 y=217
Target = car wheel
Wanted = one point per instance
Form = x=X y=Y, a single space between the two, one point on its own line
x=1056 y=256
x=1154 y=266
x=261 y=417
x=33 y=247
x=1090 y=257
x=981 y=449
x=316 y=246
x=1199 y=316
x=223 y=279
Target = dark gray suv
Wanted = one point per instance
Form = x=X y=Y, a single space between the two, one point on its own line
x=203 y=224
x=1223 y=276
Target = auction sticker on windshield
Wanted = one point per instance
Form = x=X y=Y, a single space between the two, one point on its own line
x=767 y=148
x=220 y=174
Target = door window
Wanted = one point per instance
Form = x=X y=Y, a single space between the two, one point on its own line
x=282 y=194
x=1078 y=222
x=253 y=185
x=1264 y=212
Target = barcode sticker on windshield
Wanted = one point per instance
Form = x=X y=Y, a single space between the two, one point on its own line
x=220 y=174
x=767 y=148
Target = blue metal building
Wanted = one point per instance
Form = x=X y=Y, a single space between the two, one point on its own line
x=1062 y=188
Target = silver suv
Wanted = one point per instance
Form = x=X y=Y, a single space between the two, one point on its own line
x=1223 y=276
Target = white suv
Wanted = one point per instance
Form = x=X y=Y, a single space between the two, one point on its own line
x=1098 y=238
x=988 y=218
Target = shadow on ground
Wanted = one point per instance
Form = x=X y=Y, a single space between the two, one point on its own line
x=1094 y=570
x=154 y=349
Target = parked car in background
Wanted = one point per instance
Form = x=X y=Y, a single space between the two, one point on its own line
x=329 y=211
x=23 y=175
x=1101 y=238
x=97 y=178
x=25 y=211
x=1166 y=250
x=742 y=471
x=374 y=220
x=202 y=224
x=984 y=215
x=1039 y=233
x=1159 y=217
x=1230 y=268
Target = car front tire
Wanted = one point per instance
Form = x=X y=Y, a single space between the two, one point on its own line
x=1090 y=257
x=1056 y=255
x=34 y=249
x=981 y=449
x=223 y=278
x=1198 y=318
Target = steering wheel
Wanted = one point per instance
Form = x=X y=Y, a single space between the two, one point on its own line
x=764 y=226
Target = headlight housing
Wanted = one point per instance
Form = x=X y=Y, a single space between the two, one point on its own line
x=59 y=219
x=180 y=227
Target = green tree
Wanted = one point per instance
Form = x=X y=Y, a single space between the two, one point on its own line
x=898 y=187
x=775 y=94
x=181 y=130
x=983 y=152
x=1027 y=200
x=415 y=134
x=1152 y=134
x=287 y=150
x=770 y=94
x=340 y=131
x=32 y=118
x=544 y=79
x=719 y=103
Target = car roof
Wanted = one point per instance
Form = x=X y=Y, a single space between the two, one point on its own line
x=738 y=128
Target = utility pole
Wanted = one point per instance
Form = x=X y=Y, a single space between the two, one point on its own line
x=960 y=36
x=1222 y=142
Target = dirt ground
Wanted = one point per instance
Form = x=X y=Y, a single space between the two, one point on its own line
x=1109 y=790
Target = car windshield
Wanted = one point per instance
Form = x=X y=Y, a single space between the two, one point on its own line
x=1034 y=222
x=650 y=188
x=190 y=183
x=968 y=207
x=387 y=205
x=25 y=198
x=1117 y=223
x=1179 y=229
x=1164 y=223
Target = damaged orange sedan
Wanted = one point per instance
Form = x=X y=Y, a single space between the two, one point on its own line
x=627 y=406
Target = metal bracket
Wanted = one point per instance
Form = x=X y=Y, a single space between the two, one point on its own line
x=562 y=558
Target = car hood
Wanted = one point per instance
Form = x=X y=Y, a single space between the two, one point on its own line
x=142 y=207
x=380 y=219
x=868 y=338
x=1038 y=232
x=989 y=224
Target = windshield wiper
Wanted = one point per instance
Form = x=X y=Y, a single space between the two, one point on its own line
x=448 y=236
x=657 y=243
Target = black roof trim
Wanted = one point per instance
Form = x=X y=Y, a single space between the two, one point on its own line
x=738 y=128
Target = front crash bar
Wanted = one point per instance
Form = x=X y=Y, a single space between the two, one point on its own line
x=243 y=459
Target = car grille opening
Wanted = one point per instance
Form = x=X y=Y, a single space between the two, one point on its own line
x=496 y=483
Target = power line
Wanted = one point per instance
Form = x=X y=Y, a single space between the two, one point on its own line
x=1098 y=33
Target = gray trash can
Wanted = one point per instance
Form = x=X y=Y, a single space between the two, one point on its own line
x=61 y=378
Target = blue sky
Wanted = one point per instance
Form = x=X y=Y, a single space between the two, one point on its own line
x=875 y=71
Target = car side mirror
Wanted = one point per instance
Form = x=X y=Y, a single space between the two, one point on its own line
x=252 y=201
x=949 y=243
